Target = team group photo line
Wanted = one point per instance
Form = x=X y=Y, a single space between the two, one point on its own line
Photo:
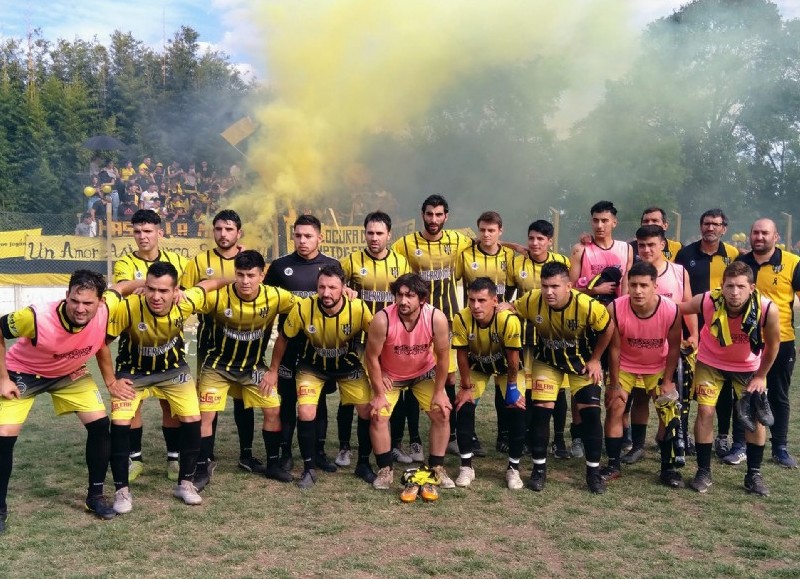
x=614 y=326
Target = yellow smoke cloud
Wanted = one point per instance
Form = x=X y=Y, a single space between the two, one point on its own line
x=341 y=70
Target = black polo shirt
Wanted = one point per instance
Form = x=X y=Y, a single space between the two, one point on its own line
x=705 y=271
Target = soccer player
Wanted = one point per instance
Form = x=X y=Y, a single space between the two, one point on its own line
x=297 y=273
x=705 y=260
x=370 y=273
x=777 y=277
x=657 y=216
x=331 y=324
x=487 y=257
x=488 y=343
x=672 y=283
x=645 y=345
x=218 y=263
x=151 y=362
x=147 y=233
x=54 y=342
x=241 y=316
x=433 y=253
x=738 y=342
x=572 y=332
x=526 y=274
x=590 y=266
x=408 y=348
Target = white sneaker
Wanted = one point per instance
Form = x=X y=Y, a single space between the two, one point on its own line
x=466 y=474
x=399 y=456
x=415 y=452
x=513 y=480
x=187 y=492
x=444 y=480
x=344 y=457
x=385 y=478
x=123 y=503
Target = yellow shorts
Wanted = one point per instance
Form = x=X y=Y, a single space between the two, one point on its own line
x=708 y=383
x=528 y=360
x=81 y=395
x=649 y=382
x=422 y=388
x=352 y=389
x=177 y=387
x=546 y=382
x=216 y=385
x=479 y=380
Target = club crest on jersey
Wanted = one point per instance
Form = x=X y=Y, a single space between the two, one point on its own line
x=142 y=327
x=209 y=271
x=538 y=319
x=777 y=268
x=418 y=252
x=179 y=323
x=263 y=312
x=691 y=263
x=363 y=271
x=447 y=249
x=474 y=265
x=393 y=271
x=502 y=266
x=228 y=313
x=494 y=337
x=347 y=329
x=312 y=329
x=523 y=274
x=572 y=324
x=138 y=275
x=726 y=260
x=288 y=271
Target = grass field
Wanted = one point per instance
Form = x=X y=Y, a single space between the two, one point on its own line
x=248 y=526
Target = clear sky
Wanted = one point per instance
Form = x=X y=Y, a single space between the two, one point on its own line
x=223 y=24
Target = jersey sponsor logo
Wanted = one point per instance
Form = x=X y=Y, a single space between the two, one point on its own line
x=376 y=296
x=288 y=271
x=501 y=288
x=347 y=329
x=705 y=390
x=209 y=271
x=363 y=271
x=435 y=274
x=243 y=336
x=490 y=359
x=304 y=293
x=331 y=352
x=558 y=344
x=210 y=397
x=228 y=313
x=303 y=390
x=74 y=354
x=142 y=327
x=117 y=405
x=411 y=350
x=153 y=351
x=646 y=344
x=540 y=386
x=598 y=268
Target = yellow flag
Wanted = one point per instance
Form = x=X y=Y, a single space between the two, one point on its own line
x=239 y=131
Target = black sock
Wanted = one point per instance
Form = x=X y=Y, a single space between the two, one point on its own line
x=397 y=421
x=245 y=425
x=206 y=443
x=120 y=453
x=6 y=462
x=364 y=441
x=287 y=389
x=344 y=424
x=172 y=437
x=135 y=444
x=450 y=389
x=272 y=444
x=638 y=435
x=724 y=408
x=214 y=432
x=516 y=432
x=98 y=452
x=307 y=438
x=755 y=455
x=613 y=450
x=500 y=409
x=703 y=450
x=384 y=459
x=412 y=417
x=465 y=426
x=575 y=431
x=666 y=454
x=592 y=433
x=189 y=440
x=626 y=433
x=560 y=416
x=539 y=433
x=321 y=423
x=435 y=461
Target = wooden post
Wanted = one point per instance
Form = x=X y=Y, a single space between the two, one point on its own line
x=556 y=222
x=788 y=239
x=677 y=228
x=109 y=259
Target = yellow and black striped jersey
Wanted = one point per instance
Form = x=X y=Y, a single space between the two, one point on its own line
x=436 y=262
x=778 y=279
x=132 y=267
x=705 y=271
x=487 y=346
x=203 y=266
x=371 y=277
x=240 y=329
x=148 y=342
x=329 y=338
x=564 y=337
x=526 y=275
x=475 y=263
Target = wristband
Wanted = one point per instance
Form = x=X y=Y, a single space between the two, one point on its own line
x=512 y=393
x=470 y=387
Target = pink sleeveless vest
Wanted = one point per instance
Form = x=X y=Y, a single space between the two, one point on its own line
x=670 y=283
x=595 y=259
x=57 y=352
x=643 y=342
x=738 y=357
x=407 y=355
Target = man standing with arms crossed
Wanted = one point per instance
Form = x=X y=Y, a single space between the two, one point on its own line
x=777 y=277
x=147 y=233
x=297 y=272
x=370 y=273
x=408 y=348
x=433 y=253
x=738 y=342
